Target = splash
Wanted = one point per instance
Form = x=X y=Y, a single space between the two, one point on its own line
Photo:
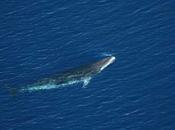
x=48 y=86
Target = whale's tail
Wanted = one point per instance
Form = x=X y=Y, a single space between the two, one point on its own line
x=13 y=91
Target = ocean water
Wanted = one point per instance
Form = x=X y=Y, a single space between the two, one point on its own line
x=42 y=37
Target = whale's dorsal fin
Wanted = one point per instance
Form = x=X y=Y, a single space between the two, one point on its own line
x=86 y=81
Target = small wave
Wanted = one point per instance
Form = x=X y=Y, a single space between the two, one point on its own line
x=107 y=54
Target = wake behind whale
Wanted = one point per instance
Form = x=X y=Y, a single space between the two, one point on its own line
x=82 y=74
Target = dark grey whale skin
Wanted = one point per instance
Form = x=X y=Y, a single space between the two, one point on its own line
x=78 y=73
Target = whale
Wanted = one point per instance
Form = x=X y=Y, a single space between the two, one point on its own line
x=82 y=74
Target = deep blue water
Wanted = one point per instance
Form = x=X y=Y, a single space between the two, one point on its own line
x=42 y=37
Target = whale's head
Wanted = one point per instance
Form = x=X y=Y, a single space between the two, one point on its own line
x=102 y=64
